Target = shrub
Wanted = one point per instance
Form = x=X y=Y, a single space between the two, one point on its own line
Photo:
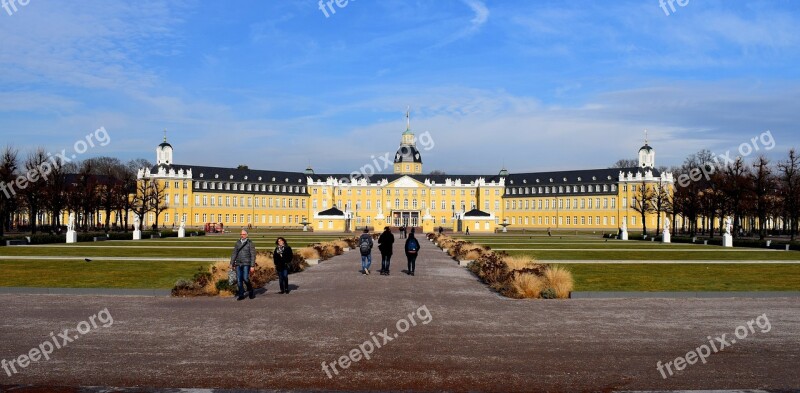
x=526 y=286
x=548 y=293
x=223 y=286
x=472 y=254
x=202 y=278
x=352 y=242
x=298 y=264
x=518 y=262
x=491 y=269
x=308 y=253
x=560 y=280
x=187 y=288
x=168 y=233
x=120 y=236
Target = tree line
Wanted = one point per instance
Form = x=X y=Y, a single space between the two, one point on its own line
x=705 y=191
x=86 y=188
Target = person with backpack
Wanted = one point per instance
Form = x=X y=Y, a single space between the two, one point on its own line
x=385 y=243
x=365 y=246
x=412 y=249
x=282 y=256
x=243 y=259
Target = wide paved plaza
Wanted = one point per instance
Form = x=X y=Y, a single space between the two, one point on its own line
x=438 y=330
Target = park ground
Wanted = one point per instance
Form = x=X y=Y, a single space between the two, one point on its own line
x=465 y=337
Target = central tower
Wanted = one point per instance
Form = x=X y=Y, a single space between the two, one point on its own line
x=408 y=161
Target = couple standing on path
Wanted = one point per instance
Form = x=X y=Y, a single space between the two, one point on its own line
x=385 y=243
x=243 y=260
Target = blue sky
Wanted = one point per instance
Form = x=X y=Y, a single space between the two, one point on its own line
x=534 y=85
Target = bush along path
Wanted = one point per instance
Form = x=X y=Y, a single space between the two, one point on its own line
x=213 y=279
x=517 y=277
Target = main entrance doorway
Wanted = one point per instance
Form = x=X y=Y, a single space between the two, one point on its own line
x=405 y=218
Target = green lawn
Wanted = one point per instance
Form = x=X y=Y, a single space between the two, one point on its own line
x=595 y=248
x=685 y=277
x=99 y=274
x=164 y=248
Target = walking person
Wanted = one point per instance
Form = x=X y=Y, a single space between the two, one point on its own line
x=243 y=259
x=412 y=249
x=467 y=231
x=365 y=246
x=385 y=242
x=282 y=256
x=403 y=232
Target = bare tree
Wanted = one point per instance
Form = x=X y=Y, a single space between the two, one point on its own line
x=662 y=201
x=149 y=197
x=737 y=189
x=626 y=163
x=437 y=172
x=8 y=199
x=790 y=190
x=643 y=202
x=55 y=200
x=763 y=188
x=33 y=193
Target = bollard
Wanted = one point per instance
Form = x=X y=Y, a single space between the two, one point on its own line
x=705 y=242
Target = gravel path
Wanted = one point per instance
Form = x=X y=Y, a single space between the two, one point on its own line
x=474 y=340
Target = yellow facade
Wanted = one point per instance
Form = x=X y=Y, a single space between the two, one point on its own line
x=581 y=200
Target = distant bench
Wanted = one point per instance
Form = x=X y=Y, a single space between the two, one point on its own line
x=16 y=242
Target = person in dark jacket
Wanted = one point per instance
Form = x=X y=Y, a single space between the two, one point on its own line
x=385 y=242
x=412 y=250
x=243 y=259
x=282 y=256
x=365 y=244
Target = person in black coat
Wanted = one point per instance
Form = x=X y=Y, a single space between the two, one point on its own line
x=282 y=256
x=385 y=242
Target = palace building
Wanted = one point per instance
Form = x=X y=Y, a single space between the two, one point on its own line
x=592 y=199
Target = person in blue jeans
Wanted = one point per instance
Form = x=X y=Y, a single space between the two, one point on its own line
x=282 y=256
x=243 y=259
x=365 y=246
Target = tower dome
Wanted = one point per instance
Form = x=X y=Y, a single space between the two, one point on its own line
x=647 y=155
x=164 y=152
x=407 y=160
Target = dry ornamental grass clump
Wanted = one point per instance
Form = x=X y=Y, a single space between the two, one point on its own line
x=521 y=277
x=527 y=286
x=560 y=279
x=518 y=262
x=309 y=253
